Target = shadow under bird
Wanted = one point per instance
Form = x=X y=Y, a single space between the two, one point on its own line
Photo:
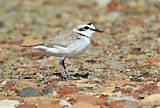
x=69 y=45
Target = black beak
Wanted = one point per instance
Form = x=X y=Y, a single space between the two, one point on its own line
x=97 y=30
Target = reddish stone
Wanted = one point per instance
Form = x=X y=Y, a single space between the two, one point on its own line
x=26 y=105
x=124 y=104
x=52 y=85
x=153 y=61
x=117 y=104
x=123 y=90
x=67 y=90
x=90 y=99
x=42 y=102
x=149 y=88
x=9 y=86
x=103 y=97
x=135 y=21
x=84 y=105
x=112 y=6
x=3 y=58
x=130 y=84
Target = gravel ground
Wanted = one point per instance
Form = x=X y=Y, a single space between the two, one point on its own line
x=122 y=64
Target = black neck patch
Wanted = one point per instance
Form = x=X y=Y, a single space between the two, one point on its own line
x=83 y=35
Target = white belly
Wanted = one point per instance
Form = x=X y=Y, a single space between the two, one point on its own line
x=71 y=51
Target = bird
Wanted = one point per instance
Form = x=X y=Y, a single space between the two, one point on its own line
x=69 y=45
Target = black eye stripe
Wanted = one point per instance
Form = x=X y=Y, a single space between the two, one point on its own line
x=81 y=29
x=86 y=27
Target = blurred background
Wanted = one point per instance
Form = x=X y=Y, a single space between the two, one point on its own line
x=130 y=41
x=39 y=18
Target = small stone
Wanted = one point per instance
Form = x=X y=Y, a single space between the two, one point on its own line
x=96 y=80
x=8 y=103
x=26 y=105
x=40 y=76
x=67 y=90
x=65 y=104
x=84 y=105
x=123 y=102
x=54 y=94
x=103 y=2
x=90 y=99
x=127 y=98
x=151 y=101
x=2 y=84
x=9 y=86
x=29 y=92
x=47 y=90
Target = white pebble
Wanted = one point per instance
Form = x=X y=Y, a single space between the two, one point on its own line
x=65 y=104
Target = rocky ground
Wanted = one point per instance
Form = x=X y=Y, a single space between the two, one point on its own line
x=121 y=67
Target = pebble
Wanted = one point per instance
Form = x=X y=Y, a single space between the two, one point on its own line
x=8 y=103
x=54 y=94
x=29 y=92
x=128 y=98
x=96 y=80
x=47 y=90
x=123 y=102
x=2 y=84
x=151 y=101
x=103 y=2
x=65 y=104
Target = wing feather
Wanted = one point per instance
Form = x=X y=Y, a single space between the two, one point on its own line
x=62 y=40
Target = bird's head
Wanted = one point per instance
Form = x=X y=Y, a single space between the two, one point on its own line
x=86 y=28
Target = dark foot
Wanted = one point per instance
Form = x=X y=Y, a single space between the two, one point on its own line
x=81 y=75
x=59 y=75
x=71 y=78
x=66 y=77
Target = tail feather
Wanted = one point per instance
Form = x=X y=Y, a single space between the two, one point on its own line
x=30 y=46
x=41 y=47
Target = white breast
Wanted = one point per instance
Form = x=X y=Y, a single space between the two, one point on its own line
x=77 y=47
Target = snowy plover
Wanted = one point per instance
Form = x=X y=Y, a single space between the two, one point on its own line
x=69 y=45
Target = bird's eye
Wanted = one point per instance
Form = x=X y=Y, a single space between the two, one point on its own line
x=86 y=27
x=81 y=29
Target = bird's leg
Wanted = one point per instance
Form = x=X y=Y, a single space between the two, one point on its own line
x=65 y=74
